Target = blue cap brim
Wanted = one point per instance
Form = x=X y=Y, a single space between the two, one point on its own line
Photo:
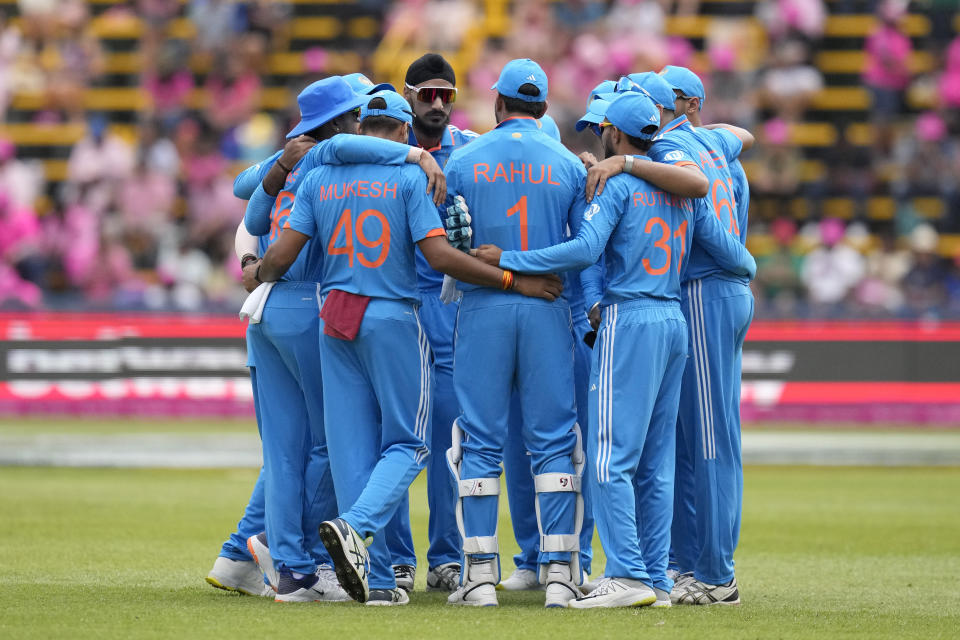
x=337 y=110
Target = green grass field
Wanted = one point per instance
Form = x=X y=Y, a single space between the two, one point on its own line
x=824 y=553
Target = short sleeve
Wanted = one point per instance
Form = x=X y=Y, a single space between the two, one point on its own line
x=422 y=215
x=669 y=150
x=730 y=144
x=302 y=217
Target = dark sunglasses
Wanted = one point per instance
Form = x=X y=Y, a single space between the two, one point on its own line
x=430 y=94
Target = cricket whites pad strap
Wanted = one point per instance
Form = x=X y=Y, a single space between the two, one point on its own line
x=556 y=482
x=476 y=487
x=481 y=544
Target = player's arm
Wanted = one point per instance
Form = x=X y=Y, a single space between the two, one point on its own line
x=256 y=218
x=281 y=254
x=682 y=179
x=245 y=245
x=746 y=138
x=344 y=148
x=724 y=247
x=249 y=179
x=599 y=221
x=457 y=264
x=293 y=151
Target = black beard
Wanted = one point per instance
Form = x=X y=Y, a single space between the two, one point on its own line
x=428 y=128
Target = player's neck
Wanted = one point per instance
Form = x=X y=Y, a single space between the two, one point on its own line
x=695 y=119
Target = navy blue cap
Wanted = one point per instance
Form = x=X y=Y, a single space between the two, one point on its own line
x=364 y=86
x=685 y=81
x=323 y=101
x=635 y=114
x=520 y=72
x=397 y=107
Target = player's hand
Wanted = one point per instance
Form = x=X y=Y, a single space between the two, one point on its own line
x=489 y=253
x=250 y=281
x=588 y=159
x=457 y=222
x=548 y=287
x=436 y=180
x=594 y=317
x=296 y=149
x=598 y=174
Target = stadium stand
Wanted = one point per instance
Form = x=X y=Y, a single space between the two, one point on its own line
x=855 y=103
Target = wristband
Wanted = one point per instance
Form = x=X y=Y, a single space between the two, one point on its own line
x=627 y=163
x=280 y=164
x=247 y=259
x=256 y=274
x=506 y=280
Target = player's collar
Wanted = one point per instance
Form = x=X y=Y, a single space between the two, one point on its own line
x=678 y=123
x=446 y=140
x=519 y=122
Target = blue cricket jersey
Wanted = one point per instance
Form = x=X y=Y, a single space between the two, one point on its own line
x=679 y=144
x=521 y=185
x=453 y=138
x=266 y=215
x=364 y=231
x=730 y=146
x=643 y=234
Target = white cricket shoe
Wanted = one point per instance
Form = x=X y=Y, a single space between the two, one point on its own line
x=350 y=558
x=701 y=593
x=663 y=599
x=242 y=576
x=405 y=576
x=616 y=592
x=479 y=591
x=521 y=580
x=257 y=546
x=388 y=597
x=444 y=577
x=586 y=584
x=680 y=582
x=321 y=586
x=560 y=587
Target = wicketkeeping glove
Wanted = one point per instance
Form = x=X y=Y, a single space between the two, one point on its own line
x=458 y=222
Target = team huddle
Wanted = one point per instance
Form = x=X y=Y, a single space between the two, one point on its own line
x=423 y=297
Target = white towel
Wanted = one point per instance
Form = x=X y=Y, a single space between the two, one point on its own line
x=253 y=306
x=448 y=291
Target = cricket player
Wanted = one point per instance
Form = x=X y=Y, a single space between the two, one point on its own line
x=640 y=351
x=521 y=185
x=430 y=90
x=298 y=488
x=362 y=223
x=719 y=307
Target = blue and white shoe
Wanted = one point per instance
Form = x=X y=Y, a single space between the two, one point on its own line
x=405 y=575
x=350 y=558
x=257 y=546
x=321 y=586
x=388 y=597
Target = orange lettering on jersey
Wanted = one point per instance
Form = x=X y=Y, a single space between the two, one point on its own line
x=477 y=171
x=550 y=176
x=362 y=188
x=391 y=189
x=326 y=192
x=500 y=172
x=542 y=172
x=375 y=189
x=514 y=172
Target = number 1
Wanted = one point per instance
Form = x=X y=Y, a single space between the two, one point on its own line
x=521 y=208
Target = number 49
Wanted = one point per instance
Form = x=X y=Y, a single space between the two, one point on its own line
x=346 y=224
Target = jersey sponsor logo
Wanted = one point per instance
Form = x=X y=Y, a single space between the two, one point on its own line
x=510 y=173
x=674 y=156
x=591 y=211
x=357 y=189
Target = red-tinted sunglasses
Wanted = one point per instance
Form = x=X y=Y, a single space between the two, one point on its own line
x=430 y=94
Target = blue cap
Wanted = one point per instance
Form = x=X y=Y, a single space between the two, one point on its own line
x=607 y=86
x=635 y=114
x=397 y=107
x=549 y=126
x=656 y=87
x=596 y=111
x=364 y=86
x=520 y=72
x=685 y=81
x=323 y=101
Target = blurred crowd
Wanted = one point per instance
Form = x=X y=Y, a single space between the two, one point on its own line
x=145 y=217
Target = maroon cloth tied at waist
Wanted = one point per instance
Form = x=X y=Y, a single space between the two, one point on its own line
x=342 y=314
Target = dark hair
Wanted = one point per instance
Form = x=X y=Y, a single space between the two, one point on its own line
x=380 y=124
x=640 y=143
x=516 y=105
x=377 y=103
x=430 y=66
